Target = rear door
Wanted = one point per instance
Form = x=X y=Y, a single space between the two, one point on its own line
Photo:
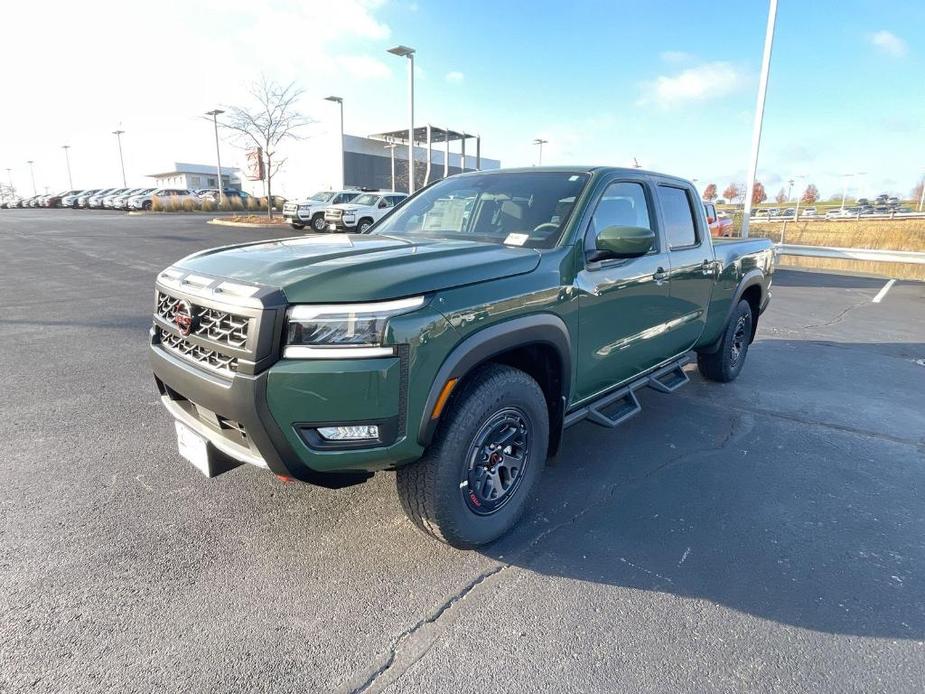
x=623 y=303
x=692 y=262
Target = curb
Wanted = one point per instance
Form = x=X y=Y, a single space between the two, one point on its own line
x=247 y=225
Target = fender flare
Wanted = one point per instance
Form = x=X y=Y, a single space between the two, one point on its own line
x=543 y=328
x=749 y=279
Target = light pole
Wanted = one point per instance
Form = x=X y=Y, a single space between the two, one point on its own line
x=405 y=52
x=32 y=172
x=844 y=193
x=921 y=198
x=9 y=177
x=391 y=147
x=215 y=113
x=118 y=134
x=540 y=141
x=67 y=160
x=759 y=115
x=343 y=162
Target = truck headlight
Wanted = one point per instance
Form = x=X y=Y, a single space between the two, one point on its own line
x=338 y=331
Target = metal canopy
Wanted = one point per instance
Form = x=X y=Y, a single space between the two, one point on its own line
x=420 y=135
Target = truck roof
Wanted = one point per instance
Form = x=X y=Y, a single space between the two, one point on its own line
x=629 y=171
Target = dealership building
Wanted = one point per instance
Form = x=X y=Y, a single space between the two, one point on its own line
x=378 y=160
x=196 y=176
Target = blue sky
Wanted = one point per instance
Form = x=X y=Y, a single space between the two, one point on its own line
x=665 y=82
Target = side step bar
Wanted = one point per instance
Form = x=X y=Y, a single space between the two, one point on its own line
x=614 y=408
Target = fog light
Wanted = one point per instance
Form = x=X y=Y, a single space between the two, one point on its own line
x=353 y=433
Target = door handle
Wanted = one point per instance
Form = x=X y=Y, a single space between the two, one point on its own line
x=660 y=275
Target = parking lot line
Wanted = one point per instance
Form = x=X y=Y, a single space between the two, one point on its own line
x=882 y=293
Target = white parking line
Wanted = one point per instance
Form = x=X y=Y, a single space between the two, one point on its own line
x=882 y=292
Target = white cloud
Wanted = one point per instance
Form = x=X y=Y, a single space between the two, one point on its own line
x=707 y=81
x=676 y=57
x=455 y=77
x=889 y=43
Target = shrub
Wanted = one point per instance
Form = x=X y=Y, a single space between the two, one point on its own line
x=207 y=205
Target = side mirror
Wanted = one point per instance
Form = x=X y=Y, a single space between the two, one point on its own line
x=382 y=204
x=710 y=219
x=624 y=242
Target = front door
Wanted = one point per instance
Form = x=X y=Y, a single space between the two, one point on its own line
x=623 y=308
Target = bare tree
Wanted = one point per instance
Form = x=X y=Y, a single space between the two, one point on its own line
x=811 y=194
x=272 y=119
x=733 y=192
x=781 y=196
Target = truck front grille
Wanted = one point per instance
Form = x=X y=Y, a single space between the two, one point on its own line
x=333 y=214
x=221 y=327
x=209 y=358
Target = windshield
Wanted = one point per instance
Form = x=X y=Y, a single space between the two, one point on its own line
x=322 y=196
x=520 y=209
x=367 y=199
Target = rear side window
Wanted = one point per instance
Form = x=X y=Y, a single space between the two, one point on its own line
x=680 y=228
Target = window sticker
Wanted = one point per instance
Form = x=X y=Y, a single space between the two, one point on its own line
x=516 y=239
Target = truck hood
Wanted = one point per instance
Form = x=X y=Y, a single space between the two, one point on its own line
x=331 y=268
x=349 y=207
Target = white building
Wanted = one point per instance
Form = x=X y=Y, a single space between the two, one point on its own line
x=197 y=176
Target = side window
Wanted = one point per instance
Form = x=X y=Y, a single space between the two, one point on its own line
x=680 y=228
x=623 y=204
x=711 y=212
x=384 y=202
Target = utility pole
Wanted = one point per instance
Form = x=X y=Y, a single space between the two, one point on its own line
x=118 y=134
x=67 y=160
x=32 y=172
x=921 y=199
x=759 y=115
x=215 y=112
x=343 y=161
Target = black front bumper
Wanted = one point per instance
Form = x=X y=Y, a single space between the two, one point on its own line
x=243 y=400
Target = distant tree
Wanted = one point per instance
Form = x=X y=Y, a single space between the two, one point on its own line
x=732 y=193
x=810 y=195
x=265 y=124
x=709 y=193
x=758 y=194
x=781 y=197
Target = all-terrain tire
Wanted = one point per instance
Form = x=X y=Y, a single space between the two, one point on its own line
x=318 y=223
x=436 y=491
x=726 y=363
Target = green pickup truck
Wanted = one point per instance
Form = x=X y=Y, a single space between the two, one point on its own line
x=456 y=339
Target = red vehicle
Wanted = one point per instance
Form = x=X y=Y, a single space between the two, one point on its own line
x=719 y=226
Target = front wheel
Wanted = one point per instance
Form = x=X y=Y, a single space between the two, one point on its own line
x=474 y=480
x=364 y=225
x=318 y=222
x=725 y=363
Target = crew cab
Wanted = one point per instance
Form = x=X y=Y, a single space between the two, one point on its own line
x=362 y=212
x=310 y=211
x=719 y=226
x=457 y=339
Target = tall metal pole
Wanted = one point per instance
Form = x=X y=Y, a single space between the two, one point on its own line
x=118 y=134
x=32 y=172
x=67 y=160
x=391 y=147
x=218 y=155
x=921 y=199
x=411 y=123
x=759 y=115
x=540 y=141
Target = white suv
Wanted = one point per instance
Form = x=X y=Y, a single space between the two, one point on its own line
x=362 y=212
x=310 y=211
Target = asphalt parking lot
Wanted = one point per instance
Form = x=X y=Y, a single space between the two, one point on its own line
x=764 y=535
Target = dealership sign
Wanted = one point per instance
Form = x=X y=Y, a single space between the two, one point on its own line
x=255 y=168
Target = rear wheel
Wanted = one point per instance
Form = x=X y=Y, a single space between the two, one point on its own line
x=474 y=480
x=725 y=363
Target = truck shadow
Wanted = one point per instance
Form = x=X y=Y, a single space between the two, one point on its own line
x=787 y=516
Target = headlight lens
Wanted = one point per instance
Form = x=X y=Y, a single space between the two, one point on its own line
x=342 y=330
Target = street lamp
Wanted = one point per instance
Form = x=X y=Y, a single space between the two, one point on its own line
x=215 y=113
x=405 y=52
x=391 y=147
x=32 y=172
x=67 y=160
x=118 y=134
x=759 y=114
x=343 y=162
x=540 y=141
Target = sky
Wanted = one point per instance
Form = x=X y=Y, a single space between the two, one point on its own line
x=671 y=84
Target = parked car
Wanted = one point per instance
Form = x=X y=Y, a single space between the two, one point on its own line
x=95 y=201
x=310 y=211
x=164 y=196
x=839 y=213
x=107 y=199
x=719 y=226
x=120 y=202
x=454 y=347
x=86 y=195
x=789 y=213
x=212 y=195
x=808 y=212
x=362 y=212
x=59 y=199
